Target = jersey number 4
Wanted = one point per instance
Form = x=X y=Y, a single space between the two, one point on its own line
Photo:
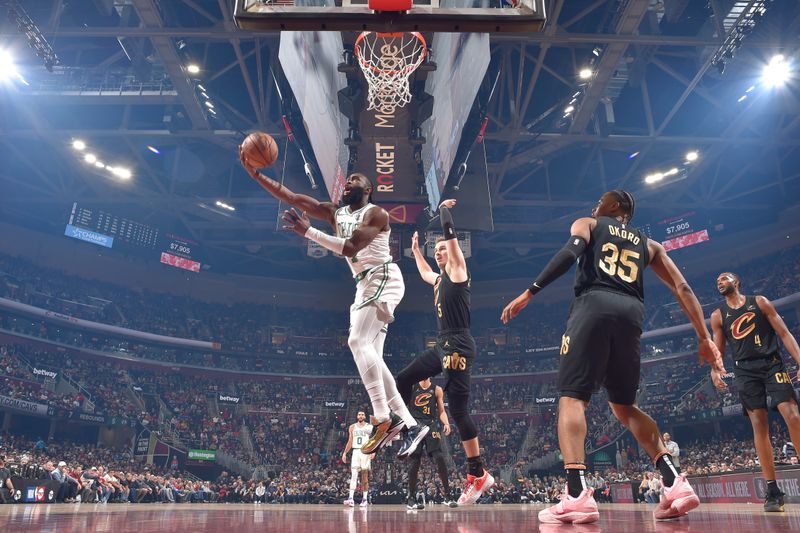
x=614 y=262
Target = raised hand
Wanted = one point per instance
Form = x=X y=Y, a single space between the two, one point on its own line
x=518 y=304
x=449 y=204
x=415 y=242
x=296 y=222
x=248 y=166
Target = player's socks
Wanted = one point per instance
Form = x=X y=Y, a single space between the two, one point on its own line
x=667 y=468
x=366 y=496
x=576 y=478
x=475 y=466
x=352 y=493
x=772 y=487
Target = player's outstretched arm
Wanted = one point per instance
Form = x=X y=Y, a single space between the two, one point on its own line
x=375 y=221
x=442 y=412
x=580 y=235
x=671 y=275
x=425 y=271
x=719 y=340
x=456 y=264
x=777 y=323
x=315 y=209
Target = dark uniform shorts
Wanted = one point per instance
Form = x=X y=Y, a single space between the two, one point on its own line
x=601 y=347
x=453 y=356
x=758 y=378
x=432 y=442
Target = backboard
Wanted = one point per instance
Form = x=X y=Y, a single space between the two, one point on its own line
x=481 y=16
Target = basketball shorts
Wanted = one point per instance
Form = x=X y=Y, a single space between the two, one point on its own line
x=601 y=347
x=432 y=442
x=453 y=356
x=360 y=461
x=382 y=287
x=759 y=378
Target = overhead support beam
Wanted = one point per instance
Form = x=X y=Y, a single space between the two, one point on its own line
x=151 y=18
x=629 y=21
x=558 y=38
x=103 y=98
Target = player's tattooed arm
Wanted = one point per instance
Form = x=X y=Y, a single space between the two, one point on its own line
x=425 y=271
x=313 y=207
x=777 y=323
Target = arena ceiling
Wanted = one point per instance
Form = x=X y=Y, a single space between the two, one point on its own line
x=656 y=93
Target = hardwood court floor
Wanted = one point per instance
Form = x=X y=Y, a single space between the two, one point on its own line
x=240 y=518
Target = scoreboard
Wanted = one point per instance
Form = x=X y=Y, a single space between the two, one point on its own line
x=678 y=231
x=103 y=228
x=117 y=227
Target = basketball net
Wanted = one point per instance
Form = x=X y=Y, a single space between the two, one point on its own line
x=388 y=60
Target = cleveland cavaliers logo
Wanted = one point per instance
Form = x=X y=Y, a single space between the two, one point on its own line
x=422 y=399
x=736 y=328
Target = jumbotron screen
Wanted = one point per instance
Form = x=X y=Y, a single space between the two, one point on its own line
x=678 y=231
x=103 y=228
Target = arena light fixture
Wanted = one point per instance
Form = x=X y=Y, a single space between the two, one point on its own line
x=78 y=144
x=199 y=86
x=154 y=149
x=777 y=72
x=692 y=156
x=90 y=158
x=633 y=155
x=585 y=73
x=192 y=68
x=209 y=105
x=8 y=70
x=655 y=177
x=223 y=205
x=121 y=172
x=99 y=164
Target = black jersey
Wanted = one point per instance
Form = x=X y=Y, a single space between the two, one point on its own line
x=748 y=331
x=451 y=301
x=423 y=403
x=615 y=259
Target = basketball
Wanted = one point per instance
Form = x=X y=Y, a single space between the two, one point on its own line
x=260 y=149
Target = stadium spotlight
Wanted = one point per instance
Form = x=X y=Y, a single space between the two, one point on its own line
x=78 y=144
x=654 y=178
x=569 y=109
x=122 y=173
x=99 y=164
x=90 y=158
x=209 y=104
x=8 y=70
x=192 y=68
x=777 y=71
x=692 y=156
x=585 y=73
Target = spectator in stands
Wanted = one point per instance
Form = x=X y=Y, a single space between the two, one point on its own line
x=6 y=487
x=673 y=449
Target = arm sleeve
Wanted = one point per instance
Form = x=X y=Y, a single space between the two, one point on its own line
x=560 y=263
x=446 y=219
x=331 y=242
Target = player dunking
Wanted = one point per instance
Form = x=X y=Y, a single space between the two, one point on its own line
x=601 y=347
x=751 y=325
x=362 y=236
x=425 y=398
x=358 y=435
x=455 y=351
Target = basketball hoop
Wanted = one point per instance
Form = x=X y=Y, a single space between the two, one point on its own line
x=388 y=60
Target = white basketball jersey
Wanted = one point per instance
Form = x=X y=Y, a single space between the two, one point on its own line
x=375 y=253
x=361 y=435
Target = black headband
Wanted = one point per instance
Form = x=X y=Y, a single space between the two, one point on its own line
x=627 y=198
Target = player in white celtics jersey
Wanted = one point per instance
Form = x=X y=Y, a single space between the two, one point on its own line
x=362 y=238
x=358 y=435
